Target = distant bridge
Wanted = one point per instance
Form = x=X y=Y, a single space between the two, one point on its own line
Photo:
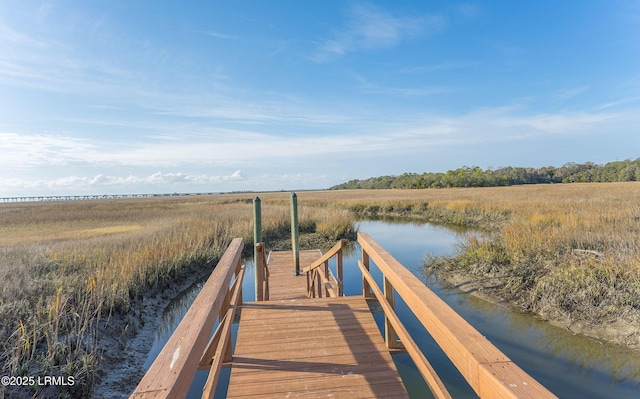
x=92 y=197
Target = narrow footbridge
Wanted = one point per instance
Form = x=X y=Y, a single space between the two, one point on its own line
x=303 y=338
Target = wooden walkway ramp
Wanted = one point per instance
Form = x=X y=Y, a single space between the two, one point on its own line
x=295 y=347
x=303 y=338
x=282 y=282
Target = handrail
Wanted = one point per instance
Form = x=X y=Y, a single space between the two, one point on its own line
x=331 y=253
x=172 y=372
x=222 y=352
x=320 y=279
x=406 y=342
x=490 y=373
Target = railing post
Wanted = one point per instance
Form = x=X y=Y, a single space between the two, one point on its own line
x=238 y=269
x=339 y=269
x=390 y=335
x=294 y=233
x=326 y=273
x=265 y=274
x=259 y=272
x=257 y=237
x=228 y=353
x=318 y=283
x=366 y=288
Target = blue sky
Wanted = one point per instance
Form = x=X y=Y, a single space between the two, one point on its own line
x=148 y=96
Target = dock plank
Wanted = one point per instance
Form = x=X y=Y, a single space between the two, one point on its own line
x=307 y=348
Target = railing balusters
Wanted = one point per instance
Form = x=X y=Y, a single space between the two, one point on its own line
x=319 y=276
x=391 y=337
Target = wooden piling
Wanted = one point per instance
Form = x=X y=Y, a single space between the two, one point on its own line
x=257 y=237
x=295 y=241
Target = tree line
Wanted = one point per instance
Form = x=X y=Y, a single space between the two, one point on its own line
x=474 y=176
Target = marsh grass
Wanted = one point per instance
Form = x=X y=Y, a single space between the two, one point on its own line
x=70 y=267
x=569 y=252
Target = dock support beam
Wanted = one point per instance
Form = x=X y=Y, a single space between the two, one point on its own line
x=257 y=237
x=295 y=242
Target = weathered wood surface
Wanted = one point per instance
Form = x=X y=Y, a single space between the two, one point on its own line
x=283 y=284
x=328 y=347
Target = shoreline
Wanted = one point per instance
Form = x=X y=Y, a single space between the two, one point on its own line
x=620 y=333
x=124 y=353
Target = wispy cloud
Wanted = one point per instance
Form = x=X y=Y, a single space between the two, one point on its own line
x=371 y=87
x=443 y=66
x=371 y=28
x=24 y=151
x=227 y=147
x=616 y=103
x=566 y=94
x=219 y=35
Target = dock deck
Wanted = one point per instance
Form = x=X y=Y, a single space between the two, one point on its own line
x=283 y=284
x=295 y=347
x=306 y=348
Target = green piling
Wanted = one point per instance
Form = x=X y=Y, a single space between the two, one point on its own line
x=257 y=236
x=295 y=242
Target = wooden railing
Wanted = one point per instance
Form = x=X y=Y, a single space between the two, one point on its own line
x=319 y=277
x=490 y=373
x=189 y=349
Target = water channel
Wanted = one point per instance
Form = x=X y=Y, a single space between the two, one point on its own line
x=570 y=366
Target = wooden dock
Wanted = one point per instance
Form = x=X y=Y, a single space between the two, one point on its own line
x=303 y=338
x=295 y=347
x=310 y=348
x=283 y=284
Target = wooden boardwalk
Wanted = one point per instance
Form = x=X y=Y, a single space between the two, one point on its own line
x=283 y=284
x=295 y=347
x=292 y=346
x=309 y=348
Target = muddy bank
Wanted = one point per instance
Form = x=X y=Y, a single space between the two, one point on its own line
x=125 y=340
x=625 y=333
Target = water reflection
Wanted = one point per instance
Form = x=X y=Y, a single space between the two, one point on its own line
x=576 y=354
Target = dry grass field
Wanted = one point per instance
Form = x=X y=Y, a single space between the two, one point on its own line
x=67 y=267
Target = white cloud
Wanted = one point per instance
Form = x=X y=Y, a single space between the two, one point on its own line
x=129 y=182
x=23 y=151
x=227 y=147
x=369 y=27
